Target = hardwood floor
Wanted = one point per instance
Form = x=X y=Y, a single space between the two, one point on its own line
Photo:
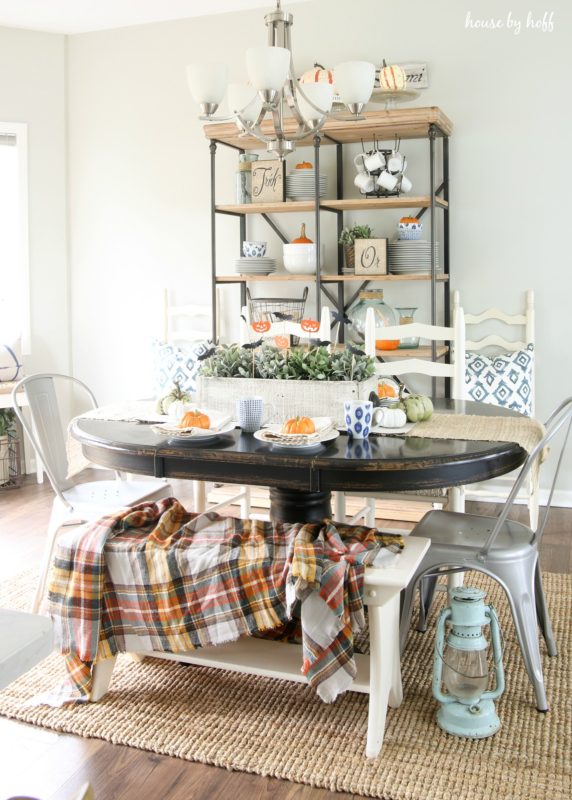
x=52 y=766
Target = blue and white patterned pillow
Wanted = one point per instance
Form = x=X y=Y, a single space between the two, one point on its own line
x=177 y=364
x=503 y=380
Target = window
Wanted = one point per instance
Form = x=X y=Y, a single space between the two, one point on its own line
x=14 y=278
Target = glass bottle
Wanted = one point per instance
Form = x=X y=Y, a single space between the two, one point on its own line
x=384 y=316
x=244 y=177
x=406 y=317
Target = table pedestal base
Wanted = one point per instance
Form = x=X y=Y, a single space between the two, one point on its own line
x=293 y=506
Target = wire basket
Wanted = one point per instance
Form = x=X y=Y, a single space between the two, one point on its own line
x=277 y=309
x=10 y=461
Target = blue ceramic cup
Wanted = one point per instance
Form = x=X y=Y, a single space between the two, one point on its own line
x=358 y=418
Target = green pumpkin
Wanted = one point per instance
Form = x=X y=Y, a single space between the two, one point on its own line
x=418 y=407
x=175 y=395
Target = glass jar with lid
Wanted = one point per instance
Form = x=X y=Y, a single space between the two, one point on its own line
x=244 y=177
x=383 y=314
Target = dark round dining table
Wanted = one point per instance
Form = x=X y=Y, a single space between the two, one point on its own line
x=301 y=483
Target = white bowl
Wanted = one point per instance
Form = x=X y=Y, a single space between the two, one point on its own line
x=301 y=258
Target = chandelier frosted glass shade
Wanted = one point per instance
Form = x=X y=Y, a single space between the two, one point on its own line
x=245 y=101
x=317 y=101
x=354 y=81
x=274 y=108
x=207 y=82
x=267 y=67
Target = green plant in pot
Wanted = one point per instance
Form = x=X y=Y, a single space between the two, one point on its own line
x=347 y=239
x=7 y=427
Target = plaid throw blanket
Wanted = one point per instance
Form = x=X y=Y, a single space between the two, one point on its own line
x=158 y=578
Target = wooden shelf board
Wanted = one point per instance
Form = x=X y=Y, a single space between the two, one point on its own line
x=407 y=123
x=325 y=278
x=359 y=204
x=354 y=204
x=413 y=352
x=288 y=206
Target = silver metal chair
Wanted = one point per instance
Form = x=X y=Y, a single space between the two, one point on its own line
x=505 y=550
x=50 y=400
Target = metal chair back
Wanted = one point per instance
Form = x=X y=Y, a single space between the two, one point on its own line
x=48 y=427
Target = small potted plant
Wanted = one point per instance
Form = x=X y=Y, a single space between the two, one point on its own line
x=7 y=427
x=348 y=237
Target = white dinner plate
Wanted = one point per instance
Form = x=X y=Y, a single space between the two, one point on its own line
x=193 y=434
x=265 y=435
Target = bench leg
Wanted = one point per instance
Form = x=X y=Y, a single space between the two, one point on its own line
x=101 y=678
x=385 y=670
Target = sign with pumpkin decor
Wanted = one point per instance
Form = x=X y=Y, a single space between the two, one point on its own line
x=268 y=184
x=371 y=256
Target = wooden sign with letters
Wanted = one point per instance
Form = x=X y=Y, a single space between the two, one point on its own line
x=268 y=181
x=371 y=256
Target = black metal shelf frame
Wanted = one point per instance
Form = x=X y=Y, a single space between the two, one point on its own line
x=340 y=303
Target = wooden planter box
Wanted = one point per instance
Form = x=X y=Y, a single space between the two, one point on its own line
x=285 y=398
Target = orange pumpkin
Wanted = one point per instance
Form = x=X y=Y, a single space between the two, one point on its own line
x=195 y=419
x=282 y=342
x=299 y=425
x=302 y=239
x=304 y=165
x=409 y=220
x=386 y=390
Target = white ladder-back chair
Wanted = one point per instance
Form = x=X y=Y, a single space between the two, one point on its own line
x=454 y=370
x=184 y=325
x=512 y=333
x=50 y=401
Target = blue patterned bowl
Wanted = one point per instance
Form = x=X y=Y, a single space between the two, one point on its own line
x=410 y=230
x=254 y=249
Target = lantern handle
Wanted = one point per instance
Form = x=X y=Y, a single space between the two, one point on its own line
x=438 y=666
x=491 y=613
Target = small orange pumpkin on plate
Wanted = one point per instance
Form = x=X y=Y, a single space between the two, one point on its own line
x=299 y=425
x=304 y=165
x=195 y=419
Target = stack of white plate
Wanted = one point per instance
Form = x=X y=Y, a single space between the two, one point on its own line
x=300 y=184
x=411 y=256
x=258 y=265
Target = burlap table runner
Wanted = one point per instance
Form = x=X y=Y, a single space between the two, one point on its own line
x=525 y=431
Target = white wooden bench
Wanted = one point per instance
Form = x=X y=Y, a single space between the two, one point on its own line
x=378 y=674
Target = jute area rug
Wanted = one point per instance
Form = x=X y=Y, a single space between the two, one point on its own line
x=272 y=727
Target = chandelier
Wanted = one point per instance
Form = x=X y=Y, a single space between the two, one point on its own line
x=274 y=91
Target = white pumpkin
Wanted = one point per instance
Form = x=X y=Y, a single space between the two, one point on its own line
x=391 y=417
x=392 y=78
x=318 y=74
x=178 y=408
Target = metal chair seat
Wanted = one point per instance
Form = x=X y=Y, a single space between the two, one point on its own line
x=468 y=531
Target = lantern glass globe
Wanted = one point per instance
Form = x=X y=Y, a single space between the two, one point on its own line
x=465 y=674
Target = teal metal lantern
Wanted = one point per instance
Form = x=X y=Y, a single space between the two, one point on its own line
x=467 y=708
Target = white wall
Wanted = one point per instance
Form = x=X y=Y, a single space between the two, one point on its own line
x=139 y=169
x=32 y=91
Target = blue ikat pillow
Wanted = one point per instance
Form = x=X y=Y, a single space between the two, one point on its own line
x=177 y=364
x=503 y=380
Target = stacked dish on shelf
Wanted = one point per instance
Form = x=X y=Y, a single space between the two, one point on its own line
x=407 y=256
x=300 y=183
x=260 y=265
